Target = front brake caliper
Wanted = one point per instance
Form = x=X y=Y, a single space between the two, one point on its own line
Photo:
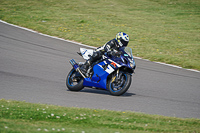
x=113 y=79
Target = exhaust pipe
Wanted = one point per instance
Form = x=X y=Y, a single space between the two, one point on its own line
x=74 y=64
x=76 y=67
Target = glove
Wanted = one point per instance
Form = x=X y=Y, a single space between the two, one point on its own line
x=119 y=53
x=111 y=53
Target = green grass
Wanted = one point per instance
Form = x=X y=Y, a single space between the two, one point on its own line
x=17 y=116
x=160 y=30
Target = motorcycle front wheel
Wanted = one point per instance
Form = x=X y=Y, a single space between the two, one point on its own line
x=74 y=81
x=119 y=86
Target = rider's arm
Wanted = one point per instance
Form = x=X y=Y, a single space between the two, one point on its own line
x=109 y=45
x=106 y=47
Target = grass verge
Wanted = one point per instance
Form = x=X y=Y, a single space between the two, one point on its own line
x=160 y=30
x=17 y=116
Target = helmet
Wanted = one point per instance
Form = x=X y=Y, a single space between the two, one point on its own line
x=122 y=39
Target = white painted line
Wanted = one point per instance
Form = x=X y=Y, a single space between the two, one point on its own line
x=161 y=63
x=137 y=57
x=193 y=70
x=89 y=46
x=17 y=26
x=168 y=64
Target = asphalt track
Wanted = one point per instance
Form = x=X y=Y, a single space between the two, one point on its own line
x=33 y=68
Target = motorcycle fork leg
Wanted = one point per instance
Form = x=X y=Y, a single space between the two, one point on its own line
x=115 y=78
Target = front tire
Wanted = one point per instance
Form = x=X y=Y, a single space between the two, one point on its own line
x=74 y=81
x=119 y=87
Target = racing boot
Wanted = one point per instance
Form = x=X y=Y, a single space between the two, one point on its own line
x=85 y=67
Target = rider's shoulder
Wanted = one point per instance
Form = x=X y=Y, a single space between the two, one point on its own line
x=111 y=42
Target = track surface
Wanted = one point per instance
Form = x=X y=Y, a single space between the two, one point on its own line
x=34 y=68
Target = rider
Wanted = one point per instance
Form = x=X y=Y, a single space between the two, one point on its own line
x=111 y=47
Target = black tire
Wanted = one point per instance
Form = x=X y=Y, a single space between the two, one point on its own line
x=119 y=88
x=74 y=85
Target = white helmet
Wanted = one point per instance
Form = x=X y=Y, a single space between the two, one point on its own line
x=122 y=39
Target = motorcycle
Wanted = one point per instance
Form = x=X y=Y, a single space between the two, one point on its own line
x=112 y=73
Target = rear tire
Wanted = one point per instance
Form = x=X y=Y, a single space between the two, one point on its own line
x=74 y=82
x=119 y=88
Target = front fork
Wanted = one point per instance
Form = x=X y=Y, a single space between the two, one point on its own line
x=117 y=77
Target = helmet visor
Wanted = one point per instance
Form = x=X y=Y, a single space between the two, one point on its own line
x=125 y=43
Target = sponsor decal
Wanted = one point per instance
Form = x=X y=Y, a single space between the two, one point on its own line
x=113 y=64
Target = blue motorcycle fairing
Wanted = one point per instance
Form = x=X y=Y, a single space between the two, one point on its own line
x=124 y=59
x=99 y=78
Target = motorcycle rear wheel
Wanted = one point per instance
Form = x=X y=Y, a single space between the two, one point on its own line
x=74 y=81
x=120 y=87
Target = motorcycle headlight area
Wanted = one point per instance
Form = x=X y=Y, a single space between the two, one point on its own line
x=131 y=63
